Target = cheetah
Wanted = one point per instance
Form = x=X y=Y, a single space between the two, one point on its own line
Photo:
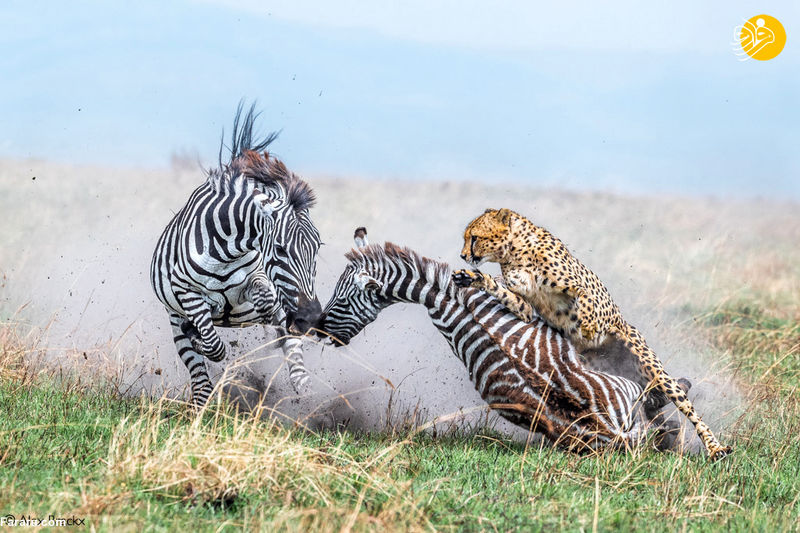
x=542 y=277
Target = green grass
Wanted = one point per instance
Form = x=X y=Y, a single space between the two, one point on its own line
x=766 y=345
x=138 y=463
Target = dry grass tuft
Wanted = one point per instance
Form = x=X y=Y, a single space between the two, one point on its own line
x=16 y=355
x=220 y=456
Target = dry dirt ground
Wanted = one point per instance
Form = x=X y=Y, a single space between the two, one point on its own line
x=76 y=243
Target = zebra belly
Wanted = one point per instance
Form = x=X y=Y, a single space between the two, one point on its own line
x=241 y=315
x=226 y=299
x=231 y=307
x=228 y=276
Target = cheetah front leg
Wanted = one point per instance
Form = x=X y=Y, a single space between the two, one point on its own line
x=478 y=280
x=587 y=318
x=652 y=369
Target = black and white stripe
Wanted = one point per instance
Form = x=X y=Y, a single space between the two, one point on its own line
x=528 y=372
x=242 y=251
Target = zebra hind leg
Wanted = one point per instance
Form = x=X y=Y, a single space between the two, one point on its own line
x=203 y=336
x=667 y=434
x=198 y=373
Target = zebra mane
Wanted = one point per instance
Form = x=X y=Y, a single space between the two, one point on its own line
x=261 y=168
x=299 y=194
x=434 y=271
x=242 y=139
x=249 y=159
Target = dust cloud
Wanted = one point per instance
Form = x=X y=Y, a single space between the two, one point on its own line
x=77 y=243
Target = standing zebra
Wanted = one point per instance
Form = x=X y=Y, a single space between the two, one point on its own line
x=528 y=372
x=242 y=251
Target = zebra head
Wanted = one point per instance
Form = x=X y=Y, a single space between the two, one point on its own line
x=292 y=256
x=357 y=298
x=290 y=241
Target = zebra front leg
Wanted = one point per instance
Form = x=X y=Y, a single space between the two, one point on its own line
x=205 y=341
x=198 y=373
x=260 y=291
x=293 y=353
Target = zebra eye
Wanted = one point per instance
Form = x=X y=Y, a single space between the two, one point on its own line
x=281 y=249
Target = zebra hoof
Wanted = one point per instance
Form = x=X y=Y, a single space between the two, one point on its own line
x=200 y=397
x=301 y=385
x=667 y=436
x=197 y=344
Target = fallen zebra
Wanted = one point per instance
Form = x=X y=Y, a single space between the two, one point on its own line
x=527 y=372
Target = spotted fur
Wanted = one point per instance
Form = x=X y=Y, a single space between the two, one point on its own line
x=542 y=277
x=527 y=372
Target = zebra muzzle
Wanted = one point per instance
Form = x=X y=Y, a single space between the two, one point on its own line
x=307 y=316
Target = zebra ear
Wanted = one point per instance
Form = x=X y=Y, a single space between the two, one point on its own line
x=366 y=282
x=360 y=237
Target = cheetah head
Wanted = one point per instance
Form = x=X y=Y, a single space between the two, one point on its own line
x=487 y=237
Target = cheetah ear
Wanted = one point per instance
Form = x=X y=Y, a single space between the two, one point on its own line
x=490 y=210
x=504 y=216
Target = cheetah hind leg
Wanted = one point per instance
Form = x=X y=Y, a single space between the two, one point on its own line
x=615 y=358
x=655 y=400
x=667 y=431
x=652 y=369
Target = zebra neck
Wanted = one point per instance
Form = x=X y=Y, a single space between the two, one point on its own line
x=409 y=286
x=451 y=315
x=229 y=221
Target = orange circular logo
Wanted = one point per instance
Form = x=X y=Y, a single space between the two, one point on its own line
x=762 y=37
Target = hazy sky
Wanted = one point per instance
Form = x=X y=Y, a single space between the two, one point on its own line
x=646 y=96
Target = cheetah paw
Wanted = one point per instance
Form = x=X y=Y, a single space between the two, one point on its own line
x=720 y=452
x=467 y=278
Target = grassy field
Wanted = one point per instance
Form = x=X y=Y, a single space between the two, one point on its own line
x=714 y=284
x=71 y=449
